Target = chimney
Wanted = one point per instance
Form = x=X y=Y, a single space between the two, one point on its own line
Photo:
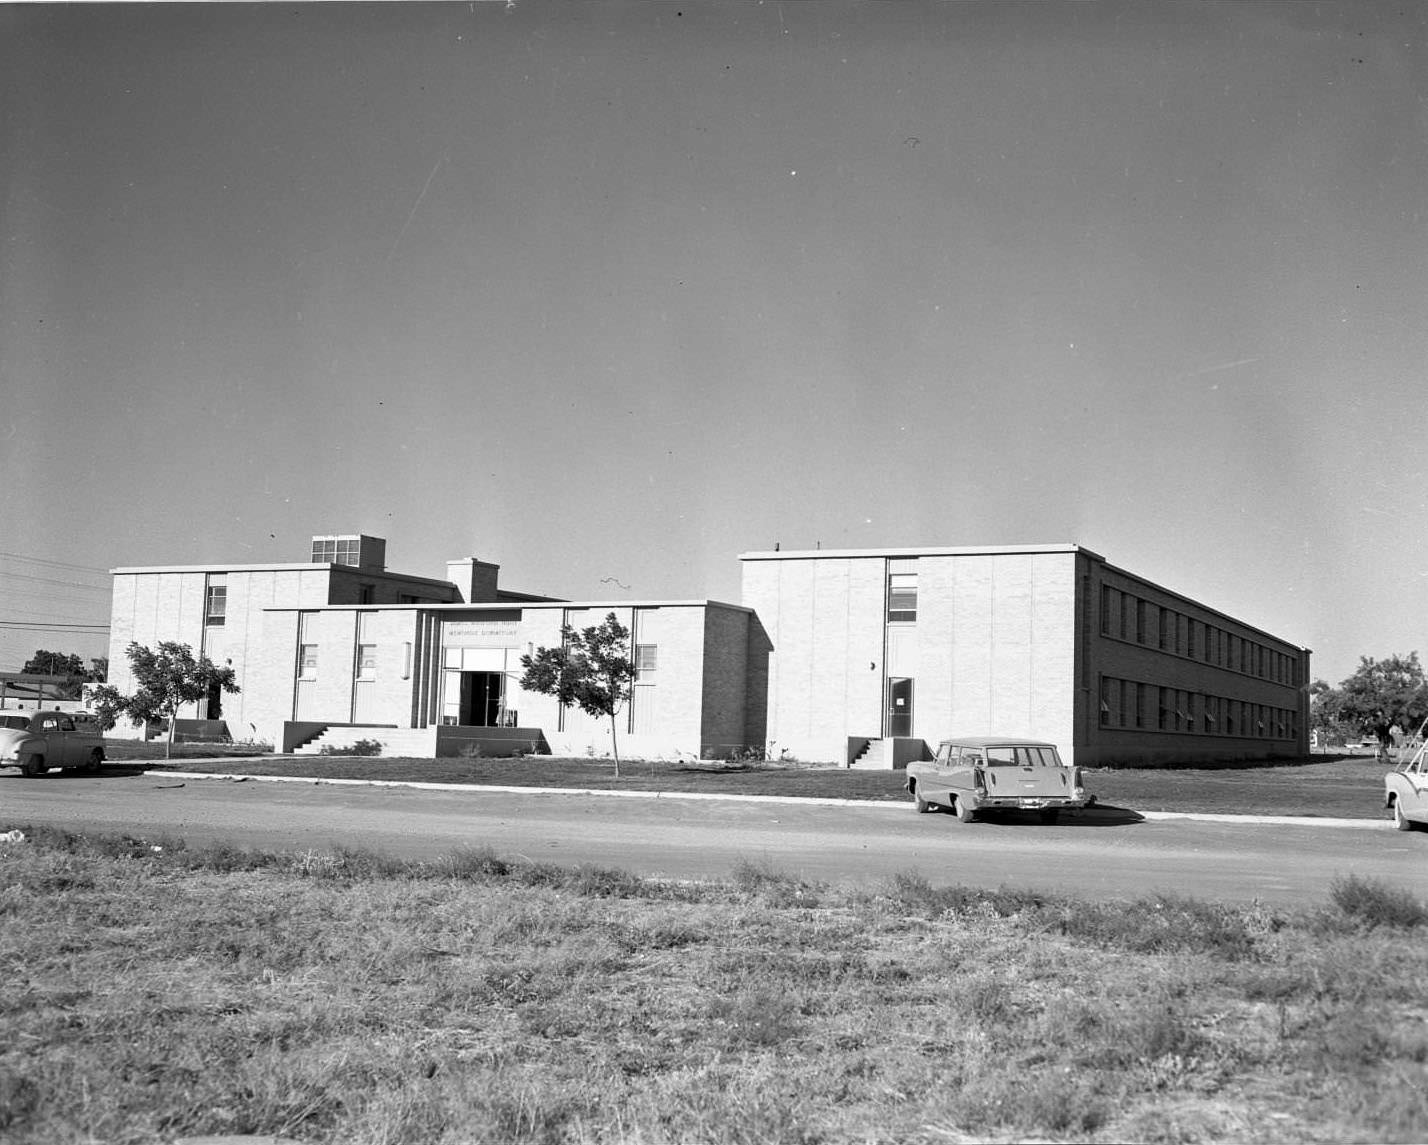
x=475 y=580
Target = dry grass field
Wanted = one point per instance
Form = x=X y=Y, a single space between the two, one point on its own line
x=151 y=991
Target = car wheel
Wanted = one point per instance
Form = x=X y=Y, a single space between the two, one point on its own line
x=965 y=814
x=95 y=762
x=1050 y=814
x=34 y=766
x=1400 y=820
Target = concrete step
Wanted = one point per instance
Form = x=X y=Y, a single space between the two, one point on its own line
x=395 y=741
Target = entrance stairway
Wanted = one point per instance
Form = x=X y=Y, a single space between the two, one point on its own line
x=873 y=757
x=416 y=742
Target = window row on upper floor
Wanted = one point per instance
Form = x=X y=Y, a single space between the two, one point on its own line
x=1134 y=704
x=1125 y=616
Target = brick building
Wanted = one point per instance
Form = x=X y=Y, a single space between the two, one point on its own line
x=874 y=652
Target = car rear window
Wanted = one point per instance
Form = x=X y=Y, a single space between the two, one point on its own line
x=21 y=722
x=1038 y=757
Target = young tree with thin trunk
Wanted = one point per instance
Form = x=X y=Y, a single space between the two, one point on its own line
x=591 y=670
x=167 y=680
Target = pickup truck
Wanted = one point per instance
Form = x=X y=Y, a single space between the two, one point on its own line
x=37 y=741
x=975 y=774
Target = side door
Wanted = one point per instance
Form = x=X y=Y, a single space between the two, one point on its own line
x=1417 y=776
x=46 y=728
x=961 y=775
x=69 y=737
x=935 y=779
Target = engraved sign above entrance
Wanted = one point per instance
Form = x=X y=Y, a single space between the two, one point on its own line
x=481 y=633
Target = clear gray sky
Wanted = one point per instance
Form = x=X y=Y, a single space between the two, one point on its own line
x=610 y=293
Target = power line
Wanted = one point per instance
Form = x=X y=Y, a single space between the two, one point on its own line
x=51 y=580
x=40 y=626
x=56 y=564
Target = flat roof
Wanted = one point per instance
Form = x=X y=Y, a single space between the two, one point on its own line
x=927 y=551
x=509 y=605
x=305 y=566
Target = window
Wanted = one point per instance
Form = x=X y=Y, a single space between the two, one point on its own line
x=215 y=605
x=646 y=662
x=902 y=597
x=307 y=662
x=366 y=593
x=1190 y=627
x=1108 y=689
x=1167 y=622
x=333 y=551
x=366 y=661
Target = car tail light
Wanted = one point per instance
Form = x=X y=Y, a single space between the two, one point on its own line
x=979 y=780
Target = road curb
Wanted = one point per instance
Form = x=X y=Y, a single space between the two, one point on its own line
x=696 y=796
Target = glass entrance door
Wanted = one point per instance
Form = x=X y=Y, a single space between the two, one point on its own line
x=899 y=720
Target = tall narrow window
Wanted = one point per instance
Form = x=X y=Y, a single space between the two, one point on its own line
x=307 y=662
x=902 y=597
x=366 y=661
x=215 y=605
x=646 y=663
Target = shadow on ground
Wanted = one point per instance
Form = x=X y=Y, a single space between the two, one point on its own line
x=1101 y=815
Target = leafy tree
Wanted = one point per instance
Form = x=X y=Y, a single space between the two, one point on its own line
x=44 y=663
x=1324 y=700
x=590 y=670
x=167 y=679
x=1382 y=693
x=99 y=669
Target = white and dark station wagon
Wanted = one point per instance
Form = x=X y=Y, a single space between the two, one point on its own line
x=37 y=741
x=981 y=773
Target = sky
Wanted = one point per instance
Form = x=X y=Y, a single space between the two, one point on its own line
x=609 y=294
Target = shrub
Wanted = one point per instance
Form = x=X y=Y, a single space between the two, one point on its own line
x=1371 y=903
x=775 y=888
x=361 y=747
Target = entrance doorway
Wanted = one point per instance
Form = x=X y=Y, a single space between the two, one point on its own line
x=482 y=697
x=899 y=721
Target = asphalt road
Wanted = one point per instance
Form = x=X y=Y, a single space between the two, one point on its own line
x=1104 y=852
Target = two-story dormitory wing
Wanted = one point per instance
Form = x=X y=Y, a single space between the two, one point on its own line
x=876 y=651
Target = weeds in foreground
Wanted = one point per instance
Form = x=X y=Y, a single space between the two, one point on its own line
x=154 y=991
x=1372 y=903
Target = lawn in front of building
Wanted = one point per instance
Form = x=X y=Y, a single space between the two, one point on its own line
x=1317 y=786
